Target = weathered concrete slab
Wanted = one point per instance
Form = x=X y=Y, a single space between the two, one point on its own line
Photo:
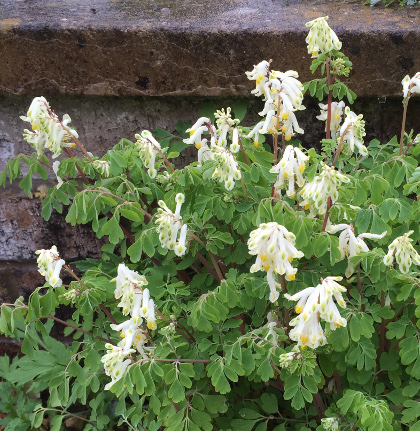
x=190 y=48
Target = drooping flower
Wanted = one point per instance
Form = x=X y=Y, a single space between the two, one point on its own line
x=225 y=125
x=170 y=224
x=403 y=251
x=350 y=245
x=148 y=148
x=227 y=169
x=129 y=289
x=321 y=39
x=115 y=364
x=411 y=86
x=259 y=74
x=290 y=169
x=101 y=166
x=353 y=130
x=313 y=304
x=196 y=130
x=274 y=246
x=60 y=181
x=337 y=109
x=48 y=131
x=204 y=152
x=330 y=424
x=324 y=186
x=49 y=265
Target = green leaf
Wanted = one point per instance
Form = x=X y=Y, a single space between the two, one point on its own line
x=113 y=230
x=176 y=392
x=135 y=251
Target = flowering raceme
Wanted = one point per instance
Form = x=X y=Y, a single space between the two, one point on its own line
x=148 y=148
x=48 y=131
x=323 y=186
x=115 y=364
x=274 y=246
x=350 y=245
x=403 y=251
x=227 y=169
x=290 y=170
x=411 y=86
x=49 y=265
x=337 y=109
x=314 y=303
x=321 y=39
x=353 y=130
x=169 y=224
x=101 y=166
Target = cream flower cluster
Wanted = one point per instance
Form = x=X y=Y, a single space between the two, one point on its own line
x=322 y=187
x=289 y=169
x=48 y=131
x=148 y=148
x=321 y=39
x=283 y=95
x=227 y=169
x=330 y=424
x=115 y=363
x=135 y=300
x=403 y=251
x=353 y=130
x=274 y=246
x=101 y=166
x=337 y=109
x=286 y=359
x=313 y=304
x=411 y=86
x=350 y=245
x=49 y=265
x=169 y=224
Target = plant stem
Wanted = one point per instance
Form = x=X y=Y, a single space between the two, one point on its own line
x=382 y=328
x=403 y=125
x=71 y=155
x=286 y=310
x=243 y=152
x=359 y=285
x=243 y=188
x=165 y=159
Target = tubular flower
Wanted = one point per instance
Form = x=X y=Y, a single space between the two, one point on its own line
x=195 y=131
x=323 y=186
x=353 y=130
x=321 y=39
x=330 y=424
x=274 y=246
x=411 y=86
x=101 y=166
x=337 y=109
x=259 y=74
x=48 y=131
x=130 y=335
x=114 y=363
x=169 y=224
x=148 y=148
x=225 y=124
x=204 y=152
x=49 y=265
x=313 y=304
x=227 y=168
x=290 y=170
x=55 y=167
x=129 y=289
x=350 y=245
x=404 y=253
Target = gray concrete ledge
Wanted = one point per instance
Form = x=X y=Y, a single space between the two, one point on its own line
x=193 y=48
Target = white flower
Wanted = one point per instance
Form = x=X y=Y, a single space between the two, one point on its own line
x=274 y=246
x=170 y=224
x=114 y=364
x=199 y=127
x=353 y=130
x=148 y=148
x=129 y=289
x=411 y=86
x=321 y=39
x=350 y=245
x=323 y=186
x=60 y=182
x=48 y=131
x=330 y=424
x=49 y=265
x=227 y=168
x=260 y=74
x=290 y=170
x=404 y=253
x=286 y=359
x=204 y=152
x=102 y=166
x=224 y=124
x=313 y=304
x=337 y=109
